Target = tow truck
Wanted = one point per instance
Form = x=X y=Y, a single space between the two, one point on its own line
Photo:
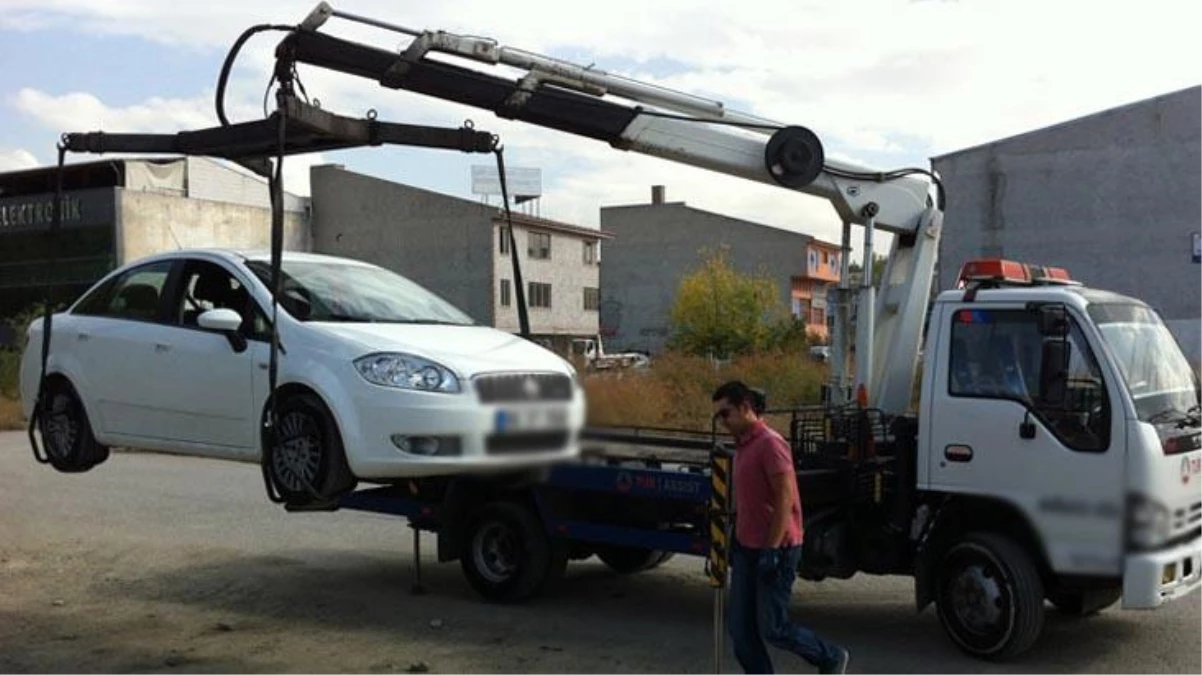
x=1052 y=453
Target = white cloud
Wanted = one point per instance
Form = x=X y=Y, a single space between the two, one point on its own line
x=893 y=81
x=16 y=160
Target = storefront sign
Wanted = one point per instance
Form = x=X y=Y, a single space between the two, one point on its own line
x=80 y=208
x=38 y=213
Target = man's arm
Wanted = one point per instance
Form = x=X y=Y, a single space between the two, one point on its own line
x=778 y=465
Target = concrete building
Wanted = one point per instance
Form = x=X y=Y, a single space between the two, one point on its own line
x=1112 y=197
x=812 y=288
x=116 y=211
x=657 y=244
x=459 y=249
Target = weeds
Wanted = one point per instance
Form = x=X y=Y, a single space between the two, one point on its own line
x=675 y=391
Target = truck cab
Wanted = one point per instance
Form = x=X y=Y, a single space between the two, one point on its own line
x=1067 y=418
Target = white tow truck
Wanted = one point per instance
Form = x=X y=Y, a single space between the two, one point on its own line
x=1054 y=452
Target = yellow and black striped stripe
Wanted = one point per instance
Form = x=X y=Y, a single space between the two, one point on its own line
x=720 y=474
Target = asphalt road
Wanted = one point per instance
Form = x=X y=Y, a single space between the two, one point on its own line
x=156 y=563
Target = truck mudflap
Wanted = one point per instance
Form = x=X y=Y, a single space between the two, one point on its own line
x=1152 y=579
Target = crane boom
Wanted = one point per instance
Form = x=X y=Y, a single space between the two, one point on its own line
x=678 y=126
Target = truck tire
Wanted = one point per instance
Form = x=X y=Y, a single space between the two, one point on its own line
x=628 y=559
x=508 y=555
x=989 y=596
x=1085 y=602
x=66 y=430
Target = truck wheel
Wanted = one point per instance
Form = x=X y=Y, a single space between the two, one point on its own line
x=990 y=596
x=308 y=452
x=1085 y=602
x=628 y=560
x=67 y=431
x=509 y=556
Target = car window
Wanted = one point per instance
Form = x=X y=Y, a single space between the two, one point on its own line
x=206 y=285
x=996 y=353
x=337 y=291
x=134 y=295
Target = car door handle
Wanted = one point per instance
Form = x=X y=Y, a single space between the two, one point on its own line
x=160 y=347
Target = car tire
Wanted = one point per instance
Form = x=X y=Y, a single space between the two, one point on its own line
x=67 y=431
x=508 y=556
x=989 y=596
x=308 y=453
x=629 y=560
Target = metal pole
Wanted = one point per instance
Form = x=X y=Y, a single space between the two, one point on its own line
x=721 y=509
x=418 y=588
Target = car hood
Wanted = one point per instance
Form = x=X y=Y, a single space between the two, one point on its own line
x=468 y=350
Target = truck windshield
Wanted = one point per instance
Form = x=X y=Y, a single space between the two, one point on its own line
x=332 y=291
x=1156 y=373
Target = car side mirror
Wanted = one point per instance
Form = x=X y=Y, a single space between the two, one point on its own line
x=1053 y=372
x=1053 y=321
x=227 y=322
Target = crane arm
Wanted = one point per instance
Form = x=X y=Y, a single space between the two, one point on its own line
x=569 y=98
x=660 y=122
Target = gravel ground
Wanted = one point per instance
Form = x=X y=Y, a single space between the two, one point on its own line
x=157 y=563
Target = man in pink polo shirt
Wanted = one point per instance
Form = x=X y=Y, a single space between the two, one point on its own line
x=766 y=548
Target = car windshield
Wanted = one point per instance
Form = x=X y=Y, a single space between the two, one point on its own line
x=1156 y=373
x=334 y=291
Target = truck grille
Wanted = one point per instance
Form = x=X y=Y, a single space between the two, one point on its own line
x=1187 y=518
x=518 y=387
x=532 y=441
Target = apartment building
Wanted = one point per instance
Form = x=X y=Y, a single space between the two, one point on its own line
x=460 y=249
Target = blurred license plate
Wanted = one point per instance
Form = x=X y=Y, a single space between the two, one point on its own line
x=533 y=418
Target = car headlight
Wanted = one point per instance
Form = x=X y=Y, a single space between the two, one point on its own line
x=1147 y=523
x=405 y=371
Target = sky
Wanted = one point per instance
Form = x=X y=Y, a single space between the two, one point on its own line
x=884 y=83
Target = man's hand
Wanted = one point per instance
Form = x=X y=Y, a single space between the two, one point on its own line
x=768 y=565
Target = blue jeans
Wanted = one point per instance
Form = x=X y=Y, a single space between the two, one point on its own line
x=759 y=613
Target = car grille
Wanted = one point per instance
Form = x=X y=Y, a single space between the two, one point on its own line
x=518 y=443
x=1187 y=518
x=517 y=387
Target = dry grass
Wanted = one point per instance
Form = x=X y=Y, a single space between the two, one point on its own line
x=11 y=418
x=675 y=391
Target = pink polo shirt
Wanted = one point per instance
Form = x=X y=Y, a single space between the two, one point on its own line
x=760 y=454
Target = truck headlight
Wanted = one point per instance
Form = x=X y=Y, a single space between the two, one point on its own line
x=405 y=371
x=1147 y=523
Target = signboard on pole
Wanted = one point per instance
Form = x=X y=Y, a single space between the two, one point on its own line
x=521 y=182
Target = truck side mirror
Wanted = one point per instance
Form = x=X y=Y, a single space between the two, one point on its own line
x=1053 y=372
x=1053 y=321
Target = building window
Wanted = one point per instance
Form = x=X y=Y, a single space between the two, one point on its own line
x=504 y=240
x=504 y=292
x=590 y=252
x=540 y=295
x=819 y=316
x=592 y=299
x=538 y=245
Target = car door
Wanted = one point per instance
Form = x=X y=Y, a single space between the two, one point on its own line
x=991 y=435
x=115 y=344
x=206 y=377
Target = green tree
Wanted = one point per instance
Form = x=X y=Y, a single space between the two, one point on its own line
x=723 y=313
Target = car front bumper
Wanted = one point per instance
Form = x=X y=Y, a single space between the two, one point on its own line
x=486 y=437
x=1152 y=579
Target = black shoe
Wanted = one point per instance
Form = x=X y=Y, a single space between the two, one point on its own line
x=839 y=665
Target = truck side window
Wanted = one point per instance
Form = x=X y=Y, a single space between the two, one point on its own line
x=995 y=353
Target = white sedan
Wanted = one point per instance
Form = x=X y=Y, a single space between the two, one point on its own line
x=378 y=378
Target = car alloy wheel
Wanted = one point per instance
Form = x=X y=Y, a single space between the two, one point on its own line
x=297 y=457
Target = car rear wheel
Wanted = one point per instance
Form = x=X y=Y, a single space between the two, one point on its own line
x=308 y=463
x=67 y=431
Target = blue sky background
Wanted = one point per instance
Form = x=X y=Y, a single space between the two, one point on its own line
x=888 y=83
